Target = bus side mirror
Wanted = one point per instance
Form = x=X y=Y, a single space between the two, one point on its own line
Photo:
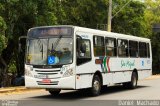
x=19 y=43
x=19 y=47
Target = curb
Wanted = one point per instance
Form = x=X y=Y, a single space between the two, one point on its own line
x=153 y=77
x=3 y=90
x=15 y=89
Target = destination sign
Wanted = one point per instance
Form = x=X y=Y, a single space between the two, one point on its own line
x=50 y=31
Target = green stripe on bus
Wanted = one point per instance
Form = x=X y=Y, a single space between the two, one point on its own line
x=104 y=63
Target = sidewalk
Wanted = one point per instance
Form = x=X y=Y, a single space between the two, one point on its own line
x=15 y=89
x=153 y=77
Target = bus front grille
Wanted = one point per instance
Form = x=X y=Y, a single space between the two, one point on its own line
x=50 y=83
x=57 y=70
x=47 y=73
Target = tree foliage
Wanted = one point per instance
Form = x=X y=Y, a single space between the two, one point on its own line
x=130 y=20
x=3 y=40
x=152 y=14
x=156 y=52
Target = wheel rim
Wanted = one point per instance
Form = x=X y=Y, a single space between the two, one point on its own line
x=96 y=85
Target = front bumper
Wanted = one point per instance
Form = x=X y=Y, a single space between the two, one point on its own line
x=59 y=83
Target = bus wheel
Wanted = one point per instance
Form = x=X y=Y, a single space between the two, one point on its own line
x=96 y=86
x=54 y=92
x=133 y=83
x=134 y=79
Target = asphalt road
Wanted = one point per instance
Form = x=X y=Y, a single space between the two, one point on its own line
x=147 y=90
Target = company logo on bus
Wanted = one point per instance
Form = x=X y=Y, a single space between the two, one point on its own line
x=142 y=63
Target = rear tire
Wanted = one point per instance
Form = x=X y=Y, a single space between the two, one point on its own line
x=134 y=79
x=133 y=83
x=54 y=92
x=96 y=86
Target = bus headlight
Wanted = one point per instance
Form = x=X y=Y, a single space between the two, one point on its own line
x=68 y=73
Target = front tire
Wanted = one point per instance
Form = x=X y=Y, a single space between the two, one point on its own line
x=54 y=92
x=96 y=86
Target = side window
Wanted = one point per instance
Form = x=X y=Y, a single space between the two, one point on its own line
x=122 y=48
x=83 y=50
x=99 y=49
x=111 y=47
x=148 y=50
x=133 y=49
x=142 y=49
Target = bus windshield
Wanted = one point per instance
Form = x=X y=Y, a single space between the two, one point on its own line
x=49 y=51
x=49 y=46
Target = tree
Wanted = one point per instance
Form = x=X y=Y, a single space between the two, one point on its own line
x=152 y=14
x=86 y=13
x=155 y=39
x=20 y=15
x=3 y=43
x=130 y=20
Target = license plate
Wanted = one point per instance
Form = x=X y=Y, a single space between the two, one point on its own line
x=40 y=76
x=46 y=81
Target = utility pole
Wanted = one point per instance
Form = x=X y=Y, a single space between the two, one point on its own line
x=109 y=16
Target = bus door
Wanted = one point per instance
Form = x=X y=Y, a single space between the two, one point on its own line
x=83 y=60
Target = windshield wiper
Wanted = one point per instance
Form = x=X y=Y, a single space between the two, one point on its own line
x=57 y=42
x=40 y=45
x=42 y=51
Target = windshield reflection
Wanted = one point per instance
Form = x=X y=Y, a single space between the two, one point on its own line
x=50 y=51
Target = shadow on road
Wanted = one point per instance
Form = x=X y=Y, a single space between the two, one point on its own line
x=82 y=94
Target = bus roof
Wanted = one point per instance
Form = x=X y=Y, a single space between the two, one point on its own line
x=111 y=34
x=101 y=33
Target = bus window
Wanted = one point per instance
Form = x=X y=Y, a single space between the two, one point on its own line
x=133 y=49
x=142 y=49
x=148 y=50
x=99 y=49
x=122 y=48
x=111 y=48
x=83 y=51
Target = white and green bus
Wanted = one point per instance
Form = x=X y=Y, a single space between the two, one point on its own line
x=70 y=57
